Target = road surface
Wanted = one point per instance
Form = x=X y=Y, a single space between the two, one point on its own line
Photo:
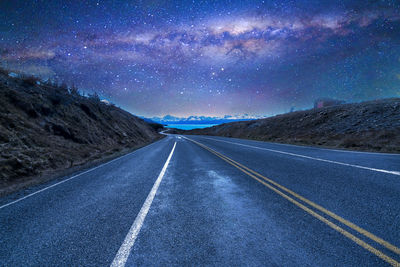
x=199 y=200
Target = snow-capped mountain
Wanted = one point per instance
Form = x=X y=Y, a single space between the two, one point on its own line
x=169 y=119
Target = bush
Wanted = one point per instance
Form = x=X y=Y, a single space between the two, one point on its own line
x=63 y=87
x=3 y=71
x=30 y=80
x=74 y=90
x=94 y=97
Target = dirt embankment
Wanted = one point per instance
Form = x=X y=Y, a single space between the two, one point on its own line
x=47 y=129
x=367 y=126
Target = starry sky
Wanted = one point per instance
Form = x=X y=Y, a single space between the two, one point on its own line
x=209 y=58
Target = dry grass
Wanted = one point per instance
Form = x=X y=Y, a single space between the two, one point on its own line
x=367 y=126
x=46 y=128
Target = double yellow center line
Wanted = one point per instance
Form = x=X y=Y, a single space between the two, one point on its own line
x=294 y=197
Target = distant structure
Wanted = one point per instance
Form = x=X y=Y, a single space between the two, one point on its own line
x=327 y=102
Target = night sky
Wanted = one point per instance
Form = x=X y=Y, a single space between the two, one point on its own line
x=210 y=58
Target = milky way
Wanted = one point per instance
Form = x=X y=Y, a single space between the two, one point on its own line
x=208 y=57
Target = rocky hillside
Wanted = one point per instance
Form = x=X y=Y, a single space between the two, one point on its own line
x=369 y=126
x=45 y=129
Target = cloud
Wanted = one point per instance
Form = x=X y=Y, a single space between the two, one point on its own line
x=222 y=40
x=29 y=54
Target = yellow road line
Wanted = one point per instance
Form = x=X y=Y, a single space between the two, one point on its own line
x=327 y=212
x=355 y=239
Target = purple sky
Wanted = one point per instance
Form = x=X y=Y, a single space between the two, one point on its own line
x=208 y=57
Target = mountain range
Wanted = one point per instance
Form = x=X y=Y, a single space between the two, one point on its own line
x=170 y=119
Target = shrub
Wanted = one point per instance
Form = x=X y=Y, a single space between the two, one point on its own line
x=30 y=80
x=63 y=87
x=94 y=97
x=74 y=90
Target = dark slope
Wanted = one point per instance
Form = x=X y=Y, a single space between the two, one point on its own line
x=369 y=126
x=45 y=129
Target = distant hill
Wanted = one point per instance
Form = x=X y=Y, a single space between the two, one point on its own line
x=169 y=119
x=45 y=129
x=369 y=126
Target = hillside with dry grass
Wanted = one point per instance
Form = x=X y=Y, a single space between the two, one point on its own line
x=367 y=126
x=45 y=129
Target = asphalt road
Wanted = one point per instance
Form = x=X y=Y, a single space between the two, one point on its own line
x=197 y=200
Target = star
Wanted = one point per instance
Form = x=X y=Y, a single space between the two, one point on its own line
x=272 y=54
